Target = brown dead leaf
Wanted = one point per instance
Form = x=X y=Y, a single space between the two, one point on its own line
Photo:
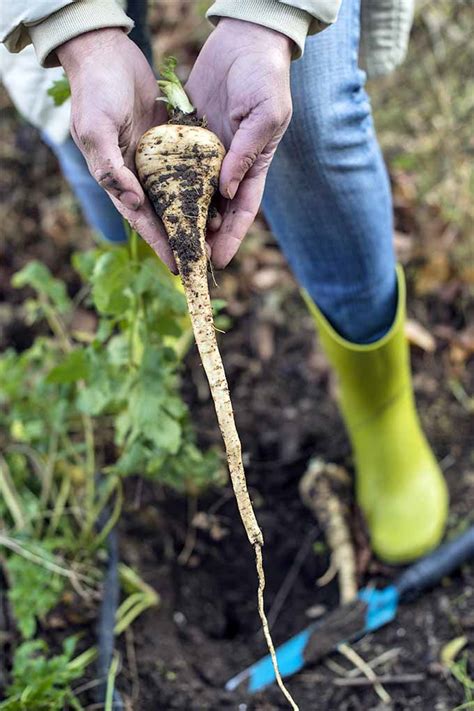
x=210 y=523
x=403 y=245
x=266 y=278
x=466 y=274
x=404 y=189
x=457 y=354
x=84 y=322
x=433 y=274
x=465 y=340
x=264 y=339
x=271 y=257
x=418 y=335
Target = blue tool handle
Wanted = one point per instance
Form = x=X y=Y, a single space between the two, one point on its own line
x=430 y=570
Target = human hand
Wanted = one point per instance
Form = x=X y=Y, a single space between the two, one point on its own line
x=240 y=82
x=113 y=91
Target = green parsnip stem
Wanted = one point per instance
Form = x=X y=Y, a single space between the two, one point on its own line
x=178 y=165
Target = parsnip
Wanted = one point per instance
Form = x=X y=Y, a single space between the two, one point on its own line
x=178 y=164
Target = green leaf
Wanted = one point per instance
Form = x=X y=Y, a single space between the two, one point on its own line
x=84 y=263
x=38 y=276
x=172 y=88
x=150 y=420
x=93 y=399
x=133 y=459
x=118 y=349
x=218 y=305
x=26 y=577
x=60 y=91
x=110 y=282
x=74 y=367
x=43 y=682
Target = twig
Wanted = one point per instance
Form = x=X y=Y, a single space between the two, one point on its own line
x=39 y=560
x=376 y=661
x=358 y=662
x=290 y=577
x=47 y=482
x=386 y=679
x=10 y=495
x=132 y=664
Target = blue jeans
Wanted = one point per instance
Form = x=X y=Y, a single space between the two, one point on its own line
x=327 y=196
x=97 y=207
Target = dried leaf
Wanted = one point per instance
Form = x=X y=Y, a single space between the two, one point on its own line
x=418 y=335
x=403 y=245
x=433 y=274
x=266 y=278
x=264 y=337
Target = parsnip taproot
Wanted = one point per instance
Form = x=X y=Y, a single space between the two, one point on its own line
x=178 y=164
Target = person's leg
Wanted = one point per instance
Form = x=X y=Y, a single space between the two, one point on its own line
x=328 y=202
x=327 y=197
x=96 y=205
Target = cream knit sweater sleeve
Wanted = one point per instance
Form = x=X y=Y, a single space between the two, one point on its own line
x=293 y=18
x=48 y=23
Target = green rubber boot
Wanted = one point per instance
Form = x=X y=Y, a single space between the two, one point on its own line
x=399 y=485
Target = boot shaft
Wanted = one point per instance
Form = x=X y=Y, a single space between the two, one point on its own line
x=372 y=376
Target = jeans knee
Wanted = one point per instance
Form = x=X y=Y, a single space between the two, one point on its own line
x=361 y=312
x=332 y=124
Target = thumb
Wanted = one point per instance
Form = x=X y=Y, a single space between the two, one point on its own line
x=249 y=141
x=101 y=150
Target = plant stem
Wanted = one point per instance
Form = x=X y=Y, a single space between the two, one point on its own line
x=67 y=346
x=10 y=495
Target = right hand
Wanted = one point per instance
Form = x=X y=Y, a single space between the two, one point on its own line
x=114 y=92
x=241 y=83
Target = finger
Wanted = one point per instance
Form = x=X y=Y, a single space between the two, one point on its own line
x=150 y=228
x=214 y=221
x=239 y=217
x=104 y=158
x=250 y=139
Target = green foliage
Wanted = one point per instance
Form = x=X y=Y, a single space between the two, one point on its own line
x=126 y=370
x=38 y=277
x=72 y=396
x=71 y=405
x=42 y=682
x=60 y=91
x=25 y=577
x=172 y=88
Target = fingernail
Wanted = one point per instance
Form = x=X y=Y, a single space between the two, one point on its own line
x=232 y=188
x=130 y=200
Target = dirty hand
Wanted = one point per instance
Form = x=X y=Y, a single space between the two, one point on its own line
x=113 y=92
x=241 y=83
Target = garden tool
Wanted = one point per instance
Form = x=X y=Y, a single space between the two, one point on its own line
x=371 y=609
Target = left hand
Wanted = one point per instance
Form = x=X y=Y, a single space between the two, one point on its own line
x=241 y=83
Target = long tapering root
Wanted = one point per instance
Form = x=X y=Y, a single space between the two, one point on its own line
x=266 y=629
